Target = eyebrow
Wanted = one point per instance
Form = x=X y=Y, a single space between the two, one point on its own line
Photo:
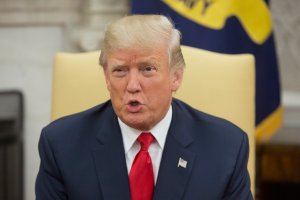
x=117 y=63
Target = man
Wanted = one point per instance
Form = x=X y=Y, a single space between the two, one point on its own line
x=142 y=144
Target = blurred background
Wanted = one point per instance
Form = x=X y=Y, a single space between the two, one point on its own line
x=32 y=31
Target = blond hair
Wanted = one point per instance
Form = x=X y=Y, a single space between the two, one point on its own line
x=143 y=32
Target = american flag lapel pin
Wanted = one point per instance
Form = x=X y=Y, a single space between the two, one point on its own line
x=182 y=163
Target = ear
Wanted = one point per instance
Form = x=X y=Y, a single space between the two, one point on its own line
x=176 y=79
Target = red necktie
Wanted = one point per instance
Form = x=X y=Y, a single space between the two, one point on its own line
x=141 y=177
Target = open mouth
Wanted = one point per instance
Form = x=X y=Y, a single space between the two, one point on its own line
x=134 y=103
x=134 y=106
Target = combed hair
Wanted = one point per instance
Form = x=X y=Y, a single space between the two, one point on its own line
x=143 y=32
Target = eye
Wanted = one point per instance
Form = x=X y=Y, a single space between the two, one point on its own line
x=119 y=71
x=149 y=70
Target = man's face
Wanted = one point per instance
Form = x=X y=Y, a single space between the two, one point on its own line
x=141 y=85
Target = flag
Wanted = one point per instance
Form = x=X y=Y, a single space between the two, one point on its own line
x=182 y=163
x=232 y=27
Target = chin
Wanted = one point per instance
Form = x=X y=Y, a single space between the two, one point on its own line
x=138 y=124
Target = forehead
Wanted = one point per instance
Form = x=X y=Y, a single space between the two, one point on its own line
x=137 y=56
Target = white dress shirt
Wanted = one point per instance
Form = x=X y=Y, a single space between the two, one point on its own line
x=132 y=146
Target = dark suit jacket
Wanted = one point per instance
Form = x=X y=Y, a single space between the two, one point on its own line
x=82 y=158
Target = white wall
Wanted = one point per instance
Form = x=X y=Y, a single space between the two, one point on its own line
x=286 y=20
x=26 y=64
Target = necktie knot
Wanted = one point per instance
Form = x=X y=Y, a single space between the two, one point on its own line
x=145 y=140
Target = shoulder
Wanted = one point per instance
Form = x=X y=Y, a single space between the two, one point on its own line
x=78 y=122
x=206 y=126
x=221 y=148
x=213 y=137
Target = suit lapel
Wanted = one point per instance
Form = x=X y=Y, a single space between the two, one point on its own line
x=111 y=167
x=110 y=160
x=172 y=179
x=177 y=162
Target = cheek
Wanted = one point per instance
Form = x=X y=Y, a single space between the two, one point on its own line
x=160 y=91
x=116 y=87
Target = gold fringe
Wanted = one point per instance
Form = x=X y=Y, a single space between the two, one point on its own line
x=270 y=125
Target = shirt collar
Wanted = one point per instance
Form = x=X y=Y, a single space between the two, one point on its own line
x=159 y=131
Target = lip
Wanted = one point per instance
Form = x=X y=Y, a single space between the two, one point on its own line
x=134 y=108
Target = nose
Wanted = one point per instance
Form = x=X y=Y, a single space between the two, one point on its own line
x=133 y=84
